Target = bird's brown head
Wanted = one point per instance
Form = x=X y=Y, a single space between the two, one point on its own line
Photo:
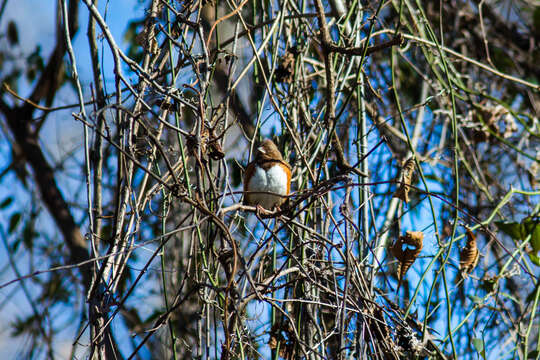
x=268 y=151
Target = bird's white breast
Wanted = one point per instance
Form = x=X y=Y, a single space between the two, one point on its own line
x=272 y=180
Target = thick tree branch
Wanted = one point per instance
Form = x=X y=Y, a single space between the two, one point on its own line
x=18 y=120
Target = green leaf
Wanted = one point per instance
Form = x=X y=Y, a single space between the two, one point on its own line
x=55 y=290
x=520 y=232
x=501 y=59
x=6 y=202
x=479 y=346
x=28 y=325
x=15 y=245
x=35 y=60
x=534 y=259
x=14 y=221
x=28 y=234
x=536 y=19
x=31 y=74
x=12 y=33
x=532 y=227
x=512 y=229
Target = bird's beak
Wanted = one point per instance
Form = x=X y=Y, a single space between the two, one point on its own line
x=261 y=150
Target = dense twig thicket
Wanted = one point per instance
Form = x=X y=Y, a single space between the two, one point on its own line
x=413 y=134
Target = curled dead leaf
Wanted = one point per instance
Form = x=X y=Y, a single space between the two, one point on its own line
x=273 y=342
x=485 y=119
x=406 y=249
x=405 y=179
x=285 y=71
x=468 y=257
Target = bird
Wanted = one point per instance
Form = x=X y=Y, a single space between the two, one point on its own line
x=267 y=173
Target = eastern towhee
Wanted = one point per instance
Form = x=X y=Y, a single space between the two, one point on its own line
x=268 y=173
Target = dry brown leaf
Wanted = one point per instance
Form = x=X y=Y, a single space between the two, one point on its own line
x=486 y=117
x=378 y=326
x=468 y=257
x=272 y=343
x=285 y=71
x=406 y=249
x=405 y=178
